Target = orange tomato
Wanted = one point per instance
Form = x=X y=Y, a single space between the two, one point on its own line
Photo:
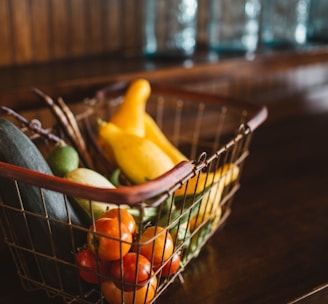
x=131 y=270
x=89 y=266
x=112 y=239
x=171 y=266
x=144 y=294
x=124 y=216
x=156 y=244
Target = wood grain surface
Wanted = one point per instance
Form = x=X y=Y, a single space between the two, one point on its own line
x=273 y=248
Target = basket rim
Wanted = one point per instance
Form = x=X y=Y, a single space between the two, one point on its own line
x=135 y=194
x=129 y=195
x=258 y=113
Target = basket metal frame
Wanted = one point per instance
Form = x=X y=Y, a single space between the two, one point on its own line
x=158 y=190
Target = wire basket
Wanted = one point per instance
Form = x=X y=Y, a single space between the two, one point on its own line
x=187 y=204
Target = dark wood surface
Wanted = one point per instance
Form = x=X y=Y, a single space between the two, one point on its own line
x=274 y=247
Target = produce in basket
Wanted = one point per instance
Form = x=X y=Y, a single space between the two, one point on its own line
x=144 y=294
x=125 y=217
x=156 y=244
x=132 y=271
x=91 y=269
x=128 y=250
x=62 y=159
x=109 y=238
x=139 y=158
x=148 y=141
x=155 y=134
x=130 y=116
x=31 y=227
x=90 y=177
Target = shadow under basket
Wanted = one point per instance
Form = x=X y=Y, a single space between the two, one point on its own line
x=187 y=204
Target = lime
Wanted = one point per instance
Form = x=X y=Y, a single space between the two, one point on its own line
x=62 y=159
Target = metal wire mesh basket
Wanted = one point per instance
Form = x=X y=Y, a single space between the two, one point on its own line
x=186 y=204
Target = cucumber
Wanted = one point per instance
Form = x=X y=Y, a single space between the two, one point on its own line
x=53 y=240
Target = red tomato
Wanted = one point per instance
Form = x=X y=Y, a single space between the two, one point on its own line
x=156 y=244
x=136 y=270
x=145 y=294
x=124 y=216
x=89 y=266
x=112 y=239
x=171 y=266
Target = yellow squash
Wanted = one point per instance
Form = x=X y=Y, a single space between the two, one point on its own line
x=210 y=203
x=139 y=158
x=155 y=134
x=130 y=115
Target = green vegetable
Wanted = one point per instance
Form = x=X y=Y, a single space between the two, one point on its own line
x=49 y=235
x=62 y=159
x=90 y=177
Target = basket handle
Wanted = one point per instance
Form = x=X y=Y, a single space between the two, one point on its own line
x=122 y=195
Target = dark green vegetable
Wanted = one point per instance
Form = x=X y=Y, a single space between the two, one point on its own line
x=50 y=236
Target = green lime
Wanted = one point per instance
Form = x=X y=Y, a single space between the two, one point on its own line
x=63 y=159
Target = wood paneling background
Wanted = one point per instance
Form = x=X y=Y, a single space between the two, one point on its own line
x=37 y=31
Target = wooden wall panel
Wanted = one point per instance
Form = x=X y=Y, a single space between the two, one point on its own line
x=37 y=31
x=21 y=30
x=6 y=55
x=95 y=28
x=40 y=30
x=60 y=31
x=78 y=27
x=113 y=34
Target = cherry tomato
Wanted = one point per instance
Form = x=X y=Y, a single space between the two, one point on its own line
x=124 y=216
x=156 y=244
x=89 y=266
x=136 y=270
x=171 y=266
x=112 y=239
x=144 y=294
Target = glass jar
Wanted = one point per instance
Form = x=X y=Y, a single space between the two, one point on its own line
x=318 y=21
x=234 y=25
x=284 y=22
x=170 y=28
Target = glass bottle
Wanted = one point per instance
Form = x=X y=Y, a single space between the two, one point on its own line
x=170 y=28
x=284 y=22
x=318 y=21
x=234 y=25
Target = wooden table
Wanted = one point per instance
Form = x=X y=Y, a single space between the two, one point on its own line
x=274 y=247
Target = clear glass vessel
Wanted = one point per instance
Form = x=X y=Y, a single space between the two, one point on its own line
x=234 y=25
x=285 y=22
x=318 y=21
x=170 y=28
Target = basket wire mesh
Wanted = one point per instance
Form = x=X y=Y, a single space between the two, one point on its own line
x=214 y=132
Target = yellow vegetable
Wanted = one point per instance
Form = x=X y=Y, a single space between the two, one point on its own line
x=196 y=184
x=155 y=134
x=139 y=158
x=130 y=115
x=211 y=200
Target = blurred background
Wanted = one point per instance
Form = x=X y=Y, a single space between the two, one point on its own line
x=38 y=31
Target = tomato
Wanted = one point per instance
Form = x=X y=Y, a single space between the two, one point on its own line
x=136 y=270
x=145 y=294
x=156 y=244
x=124 y=216
x=171 y=266
x=89 y=266
x=111 y=239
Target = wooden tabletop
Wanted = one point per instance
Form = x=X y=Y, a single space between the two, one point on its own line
x=274 y=247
